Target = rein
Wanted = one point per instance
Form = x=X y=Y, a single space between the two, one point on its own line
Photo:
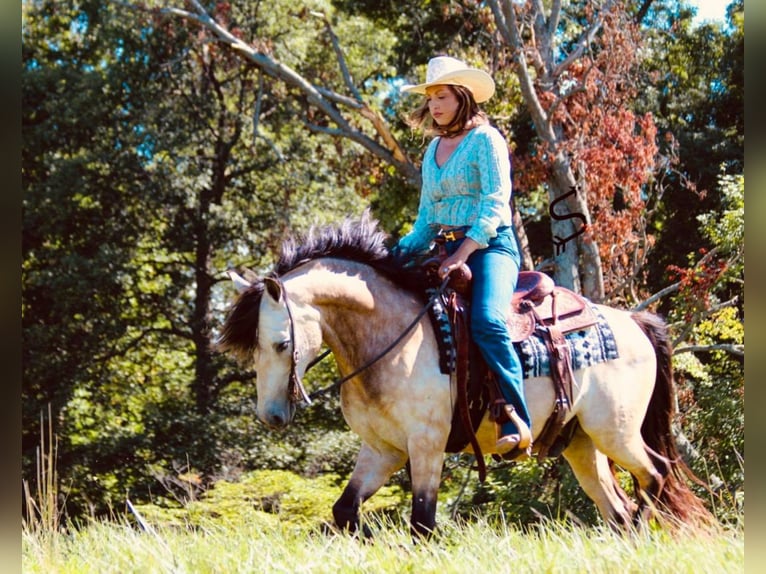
x=296 y=390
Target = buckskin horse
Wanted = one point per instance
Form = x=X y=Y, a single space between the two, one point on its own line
x=329 y=288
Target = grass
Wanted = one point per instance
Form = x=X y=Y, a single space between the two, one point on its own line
x=105 y=547
x=249 y=542
x=41 y=502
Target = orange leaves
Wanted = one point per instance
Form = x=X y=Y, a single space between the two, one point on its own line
x=697 y=282
x=611 y=151
x=529 y=172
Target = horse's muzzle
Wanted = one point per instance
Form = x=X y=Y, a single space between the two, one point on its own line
x=277 y=416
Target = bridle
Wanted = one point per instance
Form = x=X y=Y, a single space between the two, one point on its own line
x=296 y=392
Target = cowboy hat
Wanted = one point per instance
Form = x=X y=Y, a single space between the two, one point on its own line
x=445 y=70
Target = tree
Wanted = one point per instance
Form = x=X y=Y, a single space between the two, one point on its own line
x=710 y=332
x=694 y=84
x=81 y=215
x=163 y=145
x=149 y=168
x=323 y=98
x=577 y=76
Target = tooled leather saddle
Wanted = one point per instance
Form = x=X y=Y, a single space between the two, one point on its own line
x=539 y=308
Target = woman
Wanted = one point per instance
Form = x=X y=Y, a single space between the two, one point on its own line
x=465 y=202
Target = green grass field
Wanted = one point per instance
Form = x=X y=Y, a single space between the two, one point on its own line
x=275 y=546
x=230 y=529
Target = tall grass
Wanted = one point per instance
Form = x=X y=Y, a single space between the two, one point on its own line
x=457 y=548
x=41 y=501
x=259 y=542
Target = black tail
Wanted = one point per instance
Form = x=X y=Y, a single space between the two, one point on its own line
x=675 y=497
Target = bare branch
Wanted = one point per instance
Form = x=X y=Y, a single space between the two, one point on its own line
x=676 y=286
x=323 y=129
x=505 y=19
x=340 y=98
x=257 y=111
x=539 y=6
x=734 y=349
x=553 y=19
x=324 y=99
x=561 y=99
x=339 y=54
x=641 y=14
x=658 y=295
x=583 y=43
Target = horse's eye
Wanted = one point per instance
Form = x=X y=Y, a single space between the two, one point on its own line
x=282 y=346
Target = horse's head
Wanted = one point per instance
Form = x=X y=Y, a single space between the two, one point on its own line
x=277 y=340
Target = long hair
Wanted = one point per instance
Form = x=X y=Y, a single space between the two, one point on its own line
x=468 y=115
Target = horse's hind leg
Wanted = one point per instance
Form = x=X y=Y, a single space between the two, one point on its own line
x=647 y=468
x=371 y=471
x=593 y=472
x=626 y=500
x=650 y=480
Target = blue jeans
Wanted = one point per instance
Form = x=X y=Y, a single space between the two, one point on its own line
x=495 y=273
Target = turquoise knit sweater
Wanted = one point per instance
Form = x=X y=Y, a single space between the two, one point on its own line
x=472 y=188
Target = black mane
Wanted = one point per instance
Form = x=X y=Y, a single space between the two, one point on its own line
x=355 y=240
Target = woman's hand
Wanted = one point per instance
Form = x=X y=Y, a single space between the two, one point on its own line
x=458 y=258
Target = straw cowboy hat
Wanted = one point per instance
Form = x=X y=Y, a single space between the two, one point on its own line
x=445 y=70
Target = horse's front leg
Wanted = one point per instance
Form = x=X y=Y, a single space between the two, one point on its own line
x=426 y=461
x=371 y=471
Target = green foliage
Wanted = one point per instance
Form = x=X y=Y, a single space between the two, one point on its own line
x=711 y=383
x=693 y=88
x=423 y=28
x=267 y=497
x=153 y=159
x=711 y=399
x=522 y=493
x=726 y=228
x=142 y=184
x=83 y=215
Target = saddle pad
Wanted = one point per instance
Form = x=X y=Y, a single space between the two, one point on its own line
x=587 y=346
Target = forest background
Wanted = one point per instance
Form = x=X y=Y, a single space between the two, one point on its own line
x=164 y=143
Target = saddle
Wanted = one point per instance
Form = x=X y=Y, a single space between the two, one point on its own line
x=540 y=308
x=537 y=301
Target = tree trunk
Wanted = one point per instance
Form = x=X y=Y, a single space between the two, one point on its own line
x=578 y=263
x=576 y=259
x=527 y=264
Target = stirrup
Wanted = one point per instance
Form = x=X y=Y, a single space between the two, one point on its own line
x=517 y=454
x=524 y=434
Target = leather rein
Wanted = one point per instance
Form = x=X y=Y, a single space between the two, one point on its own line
x=295 y=389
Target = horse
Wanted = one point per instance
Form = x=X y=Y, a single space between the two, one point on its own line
x=334 y=287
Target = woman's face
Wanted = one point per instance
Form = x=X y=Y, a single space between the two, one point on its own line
x=442 y=104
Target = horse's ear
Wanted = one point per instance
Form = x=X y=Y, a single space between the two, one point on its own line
x=274 y=288
x=239 y=282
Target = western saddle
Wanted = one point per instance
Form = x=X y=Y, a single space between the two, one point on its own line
x=539 y=308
